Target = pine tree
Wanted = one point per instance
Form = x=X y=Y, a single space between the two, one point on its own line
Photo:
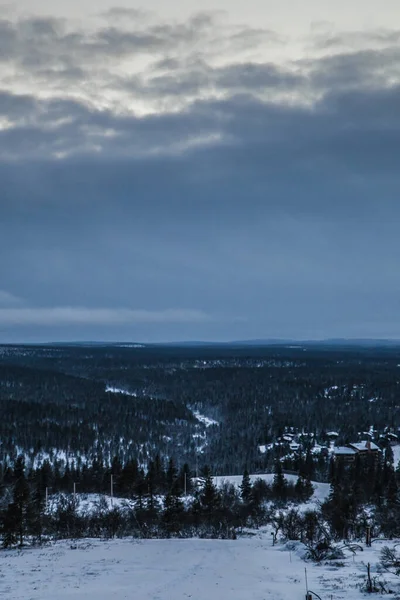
x=309 y=466
x=139 y=490
x=21 y=498
x=299 y=488
x=126 y=481
x=172 y=474
x=391 y=491
x=159 y=474
x=10 y=526
x=174 y=509
x=209 y=498
x=245 y=488
x=279 y=487
x=36 y=511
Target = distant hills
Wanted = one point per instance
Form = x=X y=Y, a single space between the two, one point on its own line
x=329 y=342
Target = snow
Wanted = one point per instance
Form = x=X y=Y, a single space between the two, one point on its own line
x=115 y=390
x=244 y=569
x=131 y=346
x=328 y=390
x=87 y=503
x=203 y=419
x=396 y=454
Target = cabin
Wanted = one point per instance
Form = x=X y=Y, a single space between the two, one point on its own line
x=345 y=453
x=362 y=449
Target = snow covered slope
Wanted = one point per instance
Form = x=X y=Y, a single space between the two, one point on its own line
x=243 y=569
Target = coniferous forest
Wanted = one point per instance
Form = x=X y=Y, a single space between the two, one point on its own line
x=154 y=425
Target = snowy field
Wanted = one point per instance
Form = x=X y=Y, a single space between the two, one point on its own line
x=249 y=568
x=243 y=569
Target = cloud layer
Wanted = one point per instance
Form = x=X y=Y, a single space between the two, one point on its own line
x=156 y=165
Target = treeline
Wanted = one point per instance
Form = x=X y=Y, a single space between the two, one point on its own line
x=164 y=501
x=160 y=503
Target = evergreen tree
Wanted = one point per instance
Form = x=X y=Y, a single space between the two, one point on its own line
x=21 y=498
x=140 y=490
x=245 y=488
x=279 y=486
x=36 y=511
x=173 y=509
x=10 y=526
x=126 y=481
x=171 y=475
x=209 y=498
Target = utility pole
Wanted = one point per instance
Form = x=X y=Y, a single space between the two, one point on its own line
x=74 y=492
x=112 y=488
x=47 y=497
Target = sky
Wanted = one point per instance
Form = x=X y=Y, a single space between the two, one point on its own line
x=200 y=170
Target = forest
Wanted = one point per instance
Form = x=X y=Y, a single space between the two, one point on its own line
x=203 y=406
x=157 y=423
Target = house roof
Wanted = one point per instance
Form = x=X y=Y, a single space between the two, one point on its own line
x=363 y=446
x=343 y=450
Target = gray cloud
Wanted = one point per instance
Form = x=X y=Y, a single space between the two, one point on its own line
x=357 y=70
x=259 y=190
x=57 y=316
x=122 y=12
x=36 y=42
x=356 y=39
x=9 y=300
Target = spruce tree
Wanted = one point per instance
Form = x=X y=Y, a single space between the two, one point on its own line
x=279 y=487
x=9 y=527
x=171 y=475
x=21 y=498
x=209 y=498
x=245 y=488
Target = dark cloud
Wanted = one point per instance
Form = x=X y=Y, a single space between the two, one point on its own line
x=355 y=70
x=251 y=76
x=356 y=39
x=34 y=43
x=261 y=201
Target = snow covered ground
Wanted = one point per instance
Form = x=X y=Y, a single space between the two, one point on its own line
x=115 y=390
x=243 y=569
x=205 y=420
x=249 y=568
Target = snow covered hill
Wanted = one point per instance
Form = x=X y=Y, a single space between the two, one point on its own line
x=243 y=569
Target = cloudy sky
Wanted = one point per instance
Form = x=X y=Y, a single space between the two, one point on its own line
x=208 y=170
